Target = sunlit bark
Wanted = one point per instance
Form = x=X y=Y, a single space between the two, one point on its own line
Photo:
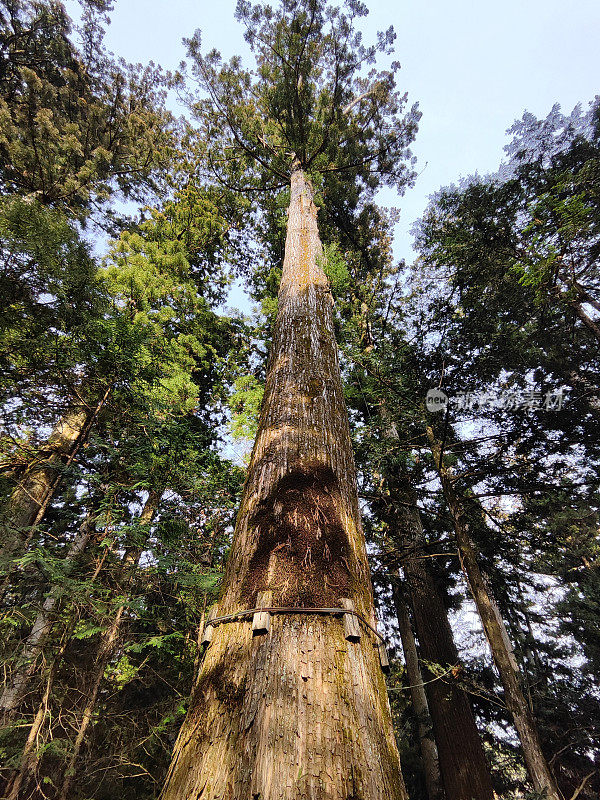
x=36 y=486
x=299 y=713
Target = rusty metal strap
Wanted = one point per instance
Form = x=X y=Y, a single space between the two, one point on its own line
x=293 y=610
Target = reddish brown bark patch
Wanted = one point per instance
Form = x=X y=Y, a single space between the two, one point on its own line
x=302 y=549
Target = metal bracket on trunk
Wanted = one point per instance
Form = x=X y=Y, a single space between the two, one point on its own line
x=351 y=626
x=261 y=621
x=207 y=633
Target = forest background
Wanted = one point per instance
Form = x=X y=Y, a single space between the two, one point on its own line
x=124 y=381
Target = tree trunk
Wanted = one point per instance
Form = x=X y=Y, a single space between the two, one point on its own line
x=538 y=768
x=589 y=323
x=465 y=772
x=464 y=769
x=298 y=712
x=41 y=627
x=106 y=648
x=31 y=492
x=429 y=753
x=35 y=489
x=29 y=757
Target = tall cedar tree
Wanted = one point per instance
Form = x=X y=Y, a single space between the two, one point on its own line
x=299 y=710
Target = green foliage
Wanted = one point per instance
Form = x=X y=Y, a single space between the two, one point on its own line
x=334 y=266
x=245 y=404
x=499 y=297
x=312 y=94
x=48 y=284
x=520 y=249
x=75 y=124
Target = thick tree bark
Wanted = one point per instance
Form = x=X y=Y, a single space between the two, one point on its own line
x=464 y=769
x=299 y=712
x=429 y=753
x=42 y=626
x=537 y=766
x=106 y=648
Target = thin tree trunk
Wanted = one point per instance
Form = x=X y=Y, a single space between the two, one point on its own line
x=42 y=626
x=104 y=652
x=589 y=323
x=29 y=757
x=464 y=769
x=106 y=649
x=299 y=712
x=537 y=766
x=34 y=491
x=429 y=753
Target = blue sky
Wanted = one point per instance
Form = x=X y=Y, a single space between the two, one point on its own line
x=473 y=67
